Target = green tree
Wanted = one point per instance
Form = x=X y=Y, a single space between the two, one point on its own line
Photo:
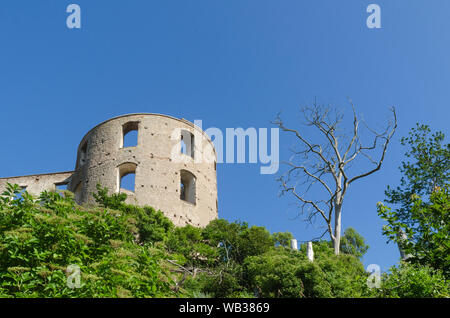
x=428 y=169
x=282 y=238
x=421 y=202
x=353 y=243
x=283 y=272
x=238 y=240
x=428 y=231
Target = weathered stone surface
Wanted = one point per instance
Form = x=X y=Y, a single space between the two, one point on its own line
x=35 y=184
x=158 y=174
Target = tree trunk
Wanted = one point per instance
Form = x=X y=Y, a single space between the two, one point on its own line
x=337 y=215
x=337 y=226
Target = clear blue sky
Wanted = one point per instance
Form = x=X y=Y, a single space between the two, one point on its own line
x=233 y=63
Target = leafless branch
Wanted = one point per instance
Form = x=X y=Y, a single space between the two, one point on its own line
x=387 y=139
x=329 y=160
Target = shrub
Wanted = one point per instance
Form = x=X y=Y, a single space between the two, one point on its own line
x=39 y=239
x=413 y=281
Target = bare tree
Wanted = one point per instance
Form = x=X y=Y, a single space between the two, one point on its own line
x=325 y=163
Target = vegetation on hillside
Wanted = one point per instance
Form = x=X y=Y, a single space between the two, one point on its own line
x=128 y=251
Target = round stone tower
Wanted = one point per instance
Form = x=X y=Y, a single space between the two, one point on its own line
x=172 y=160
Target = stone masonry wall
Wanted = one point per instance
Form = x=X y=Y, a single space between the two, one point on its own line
x=102 y=159
x=35 y=184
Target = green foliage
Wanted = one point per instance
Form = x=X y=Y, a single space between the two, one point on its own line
x=188 y=242
x=333 y=275
x=413 y=281
x=152 y=225
x=353 y=243
x=428 y=233
x=428 y=169
x=275 y=274
x=114 y=201
x=282 y=238
x=39 y=239
x=286 y=273
x=219 y=251
x=421 y=202
x=223 y=281
x=128 y=251
x=237 y=240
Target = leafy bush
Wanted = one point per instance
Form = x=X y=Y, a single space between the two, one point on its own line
x=128 y=251
x=413 y=281
x=39 y=239
x=237 y=240
x=152 y=225
x=285 y=273
x=276 y=274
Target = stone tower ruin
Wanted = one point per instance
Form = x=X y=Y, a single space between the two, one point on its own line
x=173 y=162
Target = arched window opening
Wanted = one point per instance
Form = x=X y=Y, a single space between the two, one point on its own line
x=83 y=154
x=130 y=132
x=126 y=177
x=187 y=187
x=187 y=143
x=127 y=182
x=61 y=186
x=182 y=191
x=183 y=146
